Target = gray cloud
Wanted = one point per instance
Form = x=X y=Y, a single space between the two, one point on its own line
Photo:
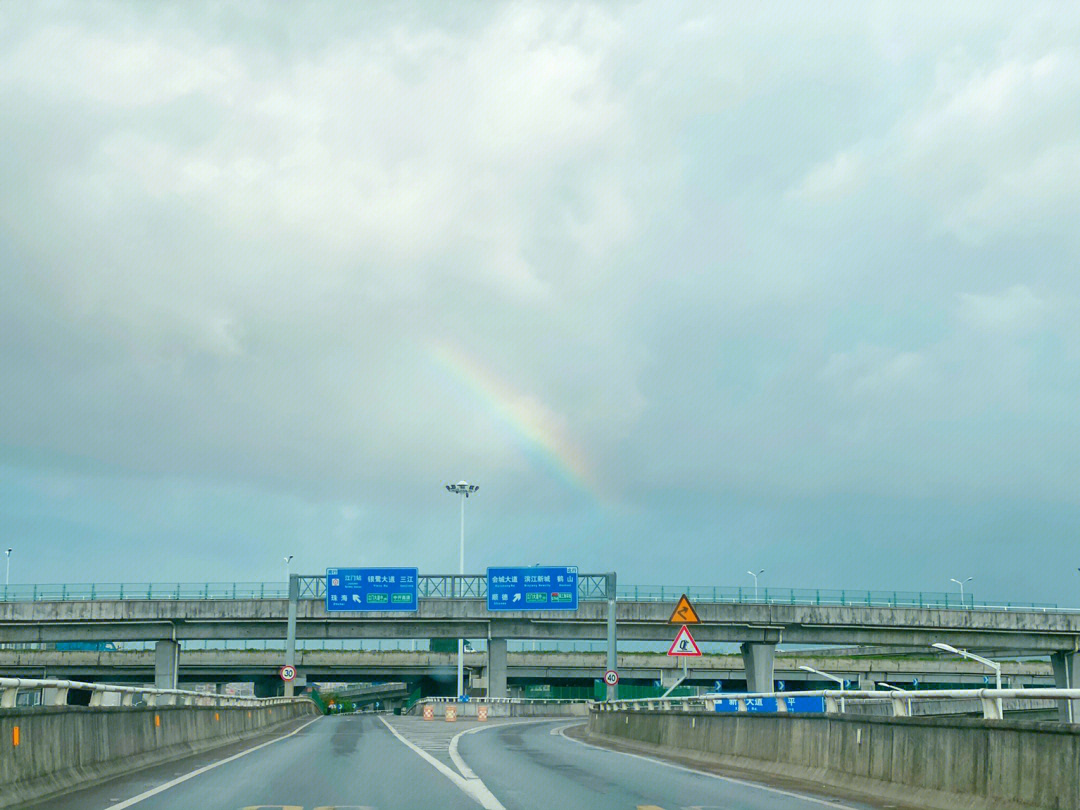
x=762 y=254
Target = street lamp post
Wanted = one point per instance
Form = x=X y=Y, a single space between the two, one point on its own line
x=961 y=584
x=288 y=567
x=755 y=576
x=464 y=489
x=994 y=665
x=833 y=678
x=7 y=572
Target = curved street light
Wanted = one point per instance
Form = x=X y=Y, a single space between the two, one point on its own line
x=755 y=576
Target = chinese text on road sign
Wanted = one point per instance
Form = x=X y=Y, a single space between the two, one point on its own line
x=383 y=589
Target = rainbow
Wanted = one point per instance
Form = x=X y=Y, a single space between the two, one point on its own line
x=536 y=428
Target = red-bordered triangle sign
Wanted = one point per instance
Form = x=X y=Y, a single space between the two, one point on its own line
x=684 y=643
x=684 y=613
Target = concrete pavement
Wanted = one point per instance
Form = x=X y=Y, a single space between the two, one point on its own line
x=359 y=762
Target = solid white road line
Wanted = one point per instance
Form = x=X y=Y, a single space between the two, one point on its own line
x=203 y=769
x=732 y=779
x=459 y=763
x=473 y=788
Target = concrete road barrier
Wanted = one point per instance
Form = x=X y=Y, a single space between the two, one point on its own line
x=936 y=763
x=523 y=709
x=50 y=751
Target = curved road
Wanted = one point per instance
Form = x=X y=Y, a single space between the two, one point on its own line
x=403 y=763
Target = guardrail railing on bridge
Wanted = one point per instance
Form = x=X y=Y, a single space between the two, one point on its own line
x=57 y=691
x=836 y=700
x=591 y=587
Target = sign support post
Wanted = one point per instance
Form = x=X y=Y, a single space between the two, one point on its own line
x=290 y=640
x=612 y=653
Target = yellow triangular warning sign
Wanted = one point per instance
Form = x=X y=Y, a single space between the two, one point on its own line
x=684 y=613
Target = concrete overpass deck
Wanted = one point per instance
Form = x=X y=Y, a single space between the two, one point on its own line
x=221 y=666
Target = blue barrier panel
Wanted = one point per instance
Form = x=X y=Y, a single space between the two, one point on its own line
x=807 y=705
x=763 y=705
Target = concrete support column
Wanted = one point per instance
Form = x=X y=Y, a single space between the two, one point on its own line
x=612 y=643
x=166 y=663
x=290 y=633
x=1067 y=676
x=268 y=687
x=758 y=661
x=868 y=682
x=496 y=668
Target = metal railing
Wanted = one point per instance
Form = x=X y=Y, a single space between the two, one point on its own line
x=591 y=587
x=835 y=700
x=486 y=700
x=57 y=693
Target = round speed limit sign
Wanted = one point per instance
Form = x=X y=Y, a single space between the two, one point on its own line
x=611 y=677
x=288 y=673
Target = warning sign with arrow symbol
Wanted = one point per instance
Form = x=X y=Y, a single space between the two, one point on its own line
x=684 y=613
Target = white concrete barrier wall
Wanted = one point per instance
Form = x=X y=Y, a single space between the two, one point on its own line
x=46 y=751
x=936 y=763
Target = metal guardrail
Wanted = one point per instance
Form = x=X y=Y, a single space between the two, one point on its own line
x=835 y=700
x=487 y=700
x=591 y=587
x=10 y=688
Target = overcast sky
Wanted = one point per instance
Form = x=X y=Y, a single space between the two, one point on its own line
x=685 y=288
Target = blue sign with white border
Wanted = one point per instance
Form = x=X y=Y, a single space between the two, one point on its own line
x=807 y=704
x=534 y=588
x=371 y=589
x=763 y=705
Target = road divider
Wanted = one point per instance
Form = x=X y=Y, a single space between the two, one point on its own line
x=50 y=751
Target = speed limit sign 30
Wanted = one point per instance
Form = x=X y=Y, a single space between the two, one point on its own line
x=611 y=677
x=288 y=673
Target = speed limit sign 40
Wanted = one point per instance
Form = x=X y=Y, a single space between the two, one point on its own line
x=288 y=673
x=611 y=677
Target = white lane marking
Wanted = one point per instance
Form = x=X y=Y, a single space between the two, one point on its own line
x=473 y=788
x=161 y=788
x=459 y=763
x=732 y=779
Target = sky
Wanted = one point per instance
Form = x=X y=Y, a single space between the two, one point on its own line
x=686 y=289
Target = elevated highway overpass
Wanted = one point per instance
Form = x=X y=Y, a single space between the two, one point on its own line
x=455 y=607
x=224 y=666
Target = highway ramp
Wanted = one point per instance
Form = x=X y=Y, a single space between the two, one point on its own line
x=368 y=761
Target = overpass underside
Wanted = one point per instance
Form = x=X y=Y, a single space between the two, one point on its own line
x=758 y=628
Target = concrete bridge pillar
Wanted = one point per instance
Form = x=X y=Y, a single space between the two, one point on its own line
x=268 y=687
x=496 y=668
x=868 y=682
x=166 y=664
x=758 y=661
x=1067 y=676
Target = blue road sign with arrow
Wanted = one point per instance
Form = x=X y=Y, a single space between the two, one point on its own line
x=374 y=589
x=534 y=588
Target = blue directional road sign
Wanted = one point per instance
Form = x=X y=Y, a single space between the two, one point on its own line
x=533 y=588
x=385 y=589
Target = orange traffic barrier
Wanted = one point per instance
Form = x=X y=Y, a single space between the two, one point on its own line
x=481 y=713
x=451 y=714
x=429 y=712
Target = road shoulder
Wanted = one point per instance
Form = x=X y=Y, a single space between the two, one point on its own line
x=578 y=732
